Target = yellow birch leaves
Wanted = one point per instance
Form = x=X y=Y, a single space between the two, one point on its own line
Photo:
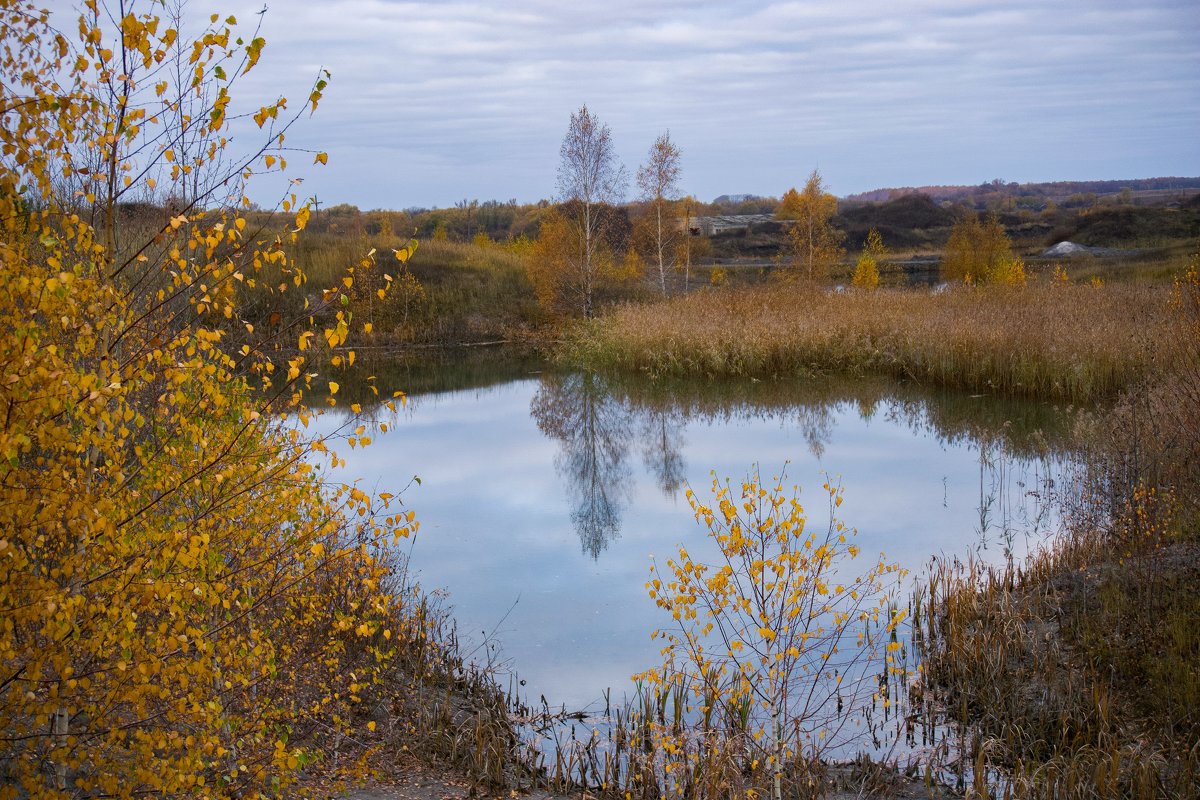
x=773 y=626
x=182 y=597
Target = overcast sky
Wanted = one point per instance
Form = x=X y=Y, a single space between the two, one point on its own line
x=433 y=102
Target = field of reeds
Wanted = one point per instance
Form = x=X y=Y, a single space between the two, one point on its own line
x=1076 y=673
x=661 y=743
x=1064 y=341
x=1073 y=673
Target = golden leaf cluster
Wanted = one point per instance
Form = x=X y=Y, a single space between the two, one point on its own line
x=186 y=604
x=776 y=632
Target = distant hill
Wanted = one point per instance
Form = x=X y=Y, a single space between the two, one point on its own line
x=1128 y=226
x=1149 y=191
x=911 y=220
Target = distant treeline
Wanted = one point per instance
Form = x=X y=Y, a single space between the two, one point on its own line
x=1060 y=192
x=920 y=208
x=912 y=221
x=498 y=220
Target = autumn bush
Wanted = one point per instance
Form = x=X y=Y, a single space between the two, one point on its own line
x=564 y=281
x=776 y=656
x=866 y=273
x=977 y=251
x=191 y=604
x=771 y=645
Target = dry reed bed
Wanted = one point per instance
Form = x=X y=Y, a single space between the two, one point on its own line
x=1075 y=673
x=1043 y=668
x=1069 y=342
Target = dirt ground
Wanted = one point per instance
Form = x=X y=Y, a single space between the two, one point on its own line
x=424 y=783
x=421 y=782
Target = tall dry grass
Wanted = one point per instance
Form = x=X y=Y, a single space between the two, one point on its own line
x=1077 y=672
x=1068 y=342
x=661 y=744
x=1072 y=674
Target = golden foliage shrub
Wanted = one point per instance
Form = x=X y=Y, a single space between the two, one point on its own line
x=777 y=645
x=189 y=607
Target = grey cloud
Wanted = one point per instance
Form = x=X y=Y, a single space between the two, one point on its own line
x=471 y=99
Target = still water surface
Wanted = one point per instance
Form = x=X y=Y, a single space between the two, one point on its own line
x=543 y=496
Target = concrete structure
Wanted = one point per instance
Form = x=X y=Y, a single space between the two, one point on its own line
x=709 y=226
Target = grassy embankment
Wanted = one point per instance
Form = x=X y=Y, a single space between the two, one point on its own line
x=1158 y=263
x=464 y=293
x=1076 y=672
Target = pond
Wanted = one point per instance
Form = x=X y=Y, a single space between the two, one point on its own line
x=544 y=495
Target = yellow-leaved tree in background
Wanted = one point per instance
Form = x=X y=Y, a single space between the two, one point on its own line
x=186 y=606
x=979 y=251
x=815 y=245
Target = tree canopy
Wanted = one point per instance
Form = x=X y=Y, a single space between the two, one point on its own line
x=658 y=179
x=574 y=257
x=814 y=242
x=978 y=250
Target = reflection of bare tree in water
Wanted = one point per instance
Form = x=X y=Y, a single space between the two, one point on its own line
x=662 y=447
x=597 y=422
x=594 y=430
x=816 y=424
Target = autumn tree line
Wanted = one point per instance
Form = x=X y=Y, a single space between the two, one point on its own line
x=493 y=271
x=608 y=236
x=591 y=246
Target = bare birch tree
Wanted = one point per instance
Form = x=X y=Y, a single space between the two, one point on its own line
x=589 y=178
x=658 y=179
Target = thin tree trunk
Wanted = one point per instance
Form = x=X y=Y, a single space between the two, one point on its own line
x=662 y=272
x=587 y=260
x=778 y=733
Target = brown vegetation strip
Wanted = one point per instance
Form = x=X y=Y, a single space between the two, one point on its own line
x=1075 y=671
x=1063 y=341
